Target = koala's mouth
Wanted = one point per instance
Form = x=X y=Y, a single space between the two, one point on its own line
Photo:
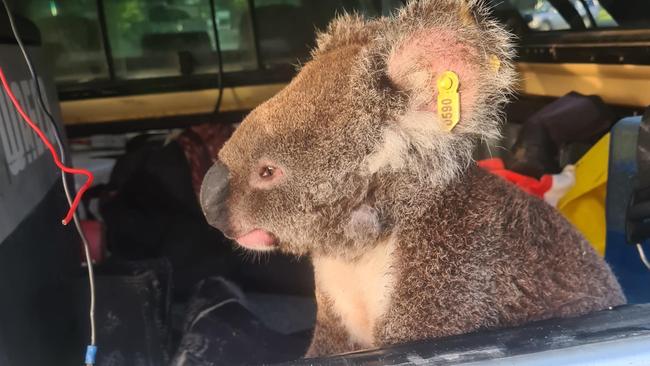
x=257 y=239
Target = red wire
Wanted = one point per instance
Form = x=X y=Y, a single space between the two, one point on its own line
x=55 y=155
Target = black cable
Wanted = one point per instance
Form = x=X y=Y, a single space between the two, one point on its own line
x=215 y=29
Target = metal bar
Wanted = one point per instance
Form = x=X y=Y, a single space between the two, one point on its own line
x=217 y=44
x=108 y=52
x=256 y=39
x=591 y=16
x=569 y=13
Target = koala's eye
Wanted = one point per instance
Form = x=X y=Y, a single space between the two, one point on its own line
x=266 y=176
x=267 y=172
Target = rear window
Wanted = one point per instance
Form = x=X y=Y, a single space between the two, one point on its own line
x=92 y=42
x=544 y=15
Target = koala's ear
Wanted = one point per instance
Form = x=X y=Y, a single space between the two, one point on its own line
x=346 y=29
x=430 y=37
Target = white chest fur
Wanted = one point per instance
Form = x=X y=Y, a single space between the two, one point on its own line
x=360 y=290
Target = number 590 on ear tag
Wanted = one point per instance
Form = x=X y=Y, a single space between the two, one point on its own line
x=448 y=99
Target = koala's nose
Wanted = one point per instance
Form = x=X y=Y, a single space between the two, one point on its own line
x=214 y=191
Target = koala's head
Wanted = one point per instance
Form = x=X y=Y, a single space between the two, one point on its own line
x=301 y=172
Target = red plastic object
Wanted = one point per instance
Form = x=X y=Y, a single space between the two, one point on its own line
x=94 y=234
x=535 y=187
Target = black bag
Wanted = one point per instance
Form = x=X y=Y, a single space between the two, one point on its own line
x=570 y=120
x=151 y=210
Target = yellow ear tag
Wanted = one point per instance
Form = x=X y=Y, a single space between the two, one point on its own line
x=495 y=64
x=448 y=99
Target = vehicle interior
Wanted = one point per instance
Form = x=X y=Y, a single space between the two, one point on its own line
x=146 y=92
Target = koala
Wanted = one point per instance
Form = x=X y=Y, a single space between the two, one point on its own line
x=352 y=165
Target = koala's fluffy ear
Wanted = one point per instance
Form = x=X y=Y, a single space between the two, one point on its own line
x=346 y=29
x=429 y=37
x=425 y=39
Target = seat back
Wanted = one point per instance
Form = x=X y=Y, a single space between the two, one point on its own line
x=623 y=257
x=39 y=258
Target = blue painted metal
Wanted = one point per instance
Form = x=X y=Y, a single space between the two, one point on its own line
x=623 y=257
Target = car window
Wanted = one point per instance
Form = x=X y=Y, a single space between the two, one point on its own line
x=152 y=39
x=540 y=15
x=139 y=40
x=71 y=38
x=595 y=12
x=602 y=17
x=286 y=27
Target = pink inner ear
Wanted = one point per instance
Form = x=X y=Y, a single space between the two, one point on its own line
x=435 y=51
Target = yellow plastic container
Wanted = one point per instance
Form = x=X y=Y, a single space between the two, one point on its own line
x=584 y=204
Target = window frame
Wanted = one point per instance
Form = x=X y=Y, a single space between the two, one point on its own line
x=599 y=46
x=577 y=44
